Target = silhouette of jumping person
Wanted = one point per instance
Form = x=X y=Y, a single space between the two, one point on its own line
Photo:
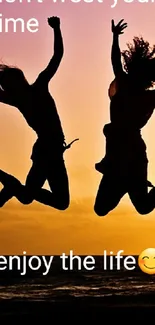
x=38 y=107
x=124 y=166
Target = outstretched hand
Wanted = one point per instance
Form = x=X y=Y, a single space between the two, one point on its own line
x=118 y=29
x=54 y=22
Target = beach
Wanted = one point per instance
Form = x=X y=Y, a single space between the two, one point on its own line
x=77 y=294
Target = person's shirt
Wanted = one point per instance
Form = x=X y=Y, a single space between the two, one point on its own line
x=39 y=109
x=129 y=108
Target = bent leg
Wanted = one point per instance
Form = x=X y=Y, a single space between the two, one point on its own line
x=24 y=193
x=143 y=201
x=11 y=187
x=54 y=172
x=34 y=181
x=110 y=192
x=56 y=175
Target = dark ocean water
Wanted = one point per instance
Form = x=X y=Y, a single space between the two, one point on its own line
x=61 y=285
x=86 y=285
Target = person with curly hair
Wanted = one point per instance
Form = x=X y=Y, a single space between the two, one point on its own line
x=125 y=164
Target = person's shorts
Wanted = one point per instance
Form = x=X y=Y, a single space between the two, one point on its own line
x=43 y=151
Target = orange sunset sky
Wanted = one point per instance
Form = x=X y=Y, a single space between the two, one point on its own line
x=80 y=91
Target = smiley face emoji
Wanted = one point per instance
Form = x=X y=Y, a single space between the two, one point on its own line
x=146 y=261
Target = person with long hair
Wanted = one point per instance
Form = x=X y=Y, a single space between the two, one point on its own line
x=132 y=102
x=38 y=107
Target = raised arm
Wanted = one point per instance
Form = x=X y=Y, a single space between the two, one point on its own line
x=116 y=53
x=53 y=65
